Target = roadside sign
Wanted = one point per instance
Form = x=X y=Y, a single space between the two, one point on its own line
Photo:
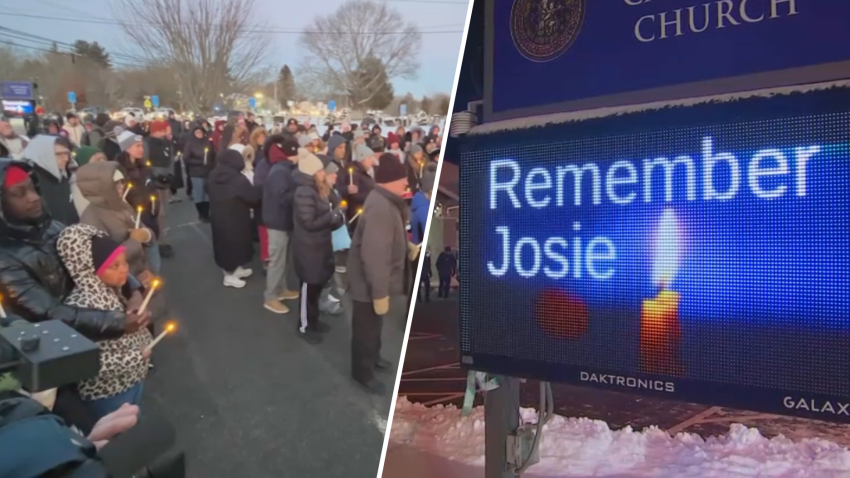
x=332 y=105
x=155 y=101
x=402 y=109
x=148 y=103
x=72 y=97
x=252 y=103
x=16 y=90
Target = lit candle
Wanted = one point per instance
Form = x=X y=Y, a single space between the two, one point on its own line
x=153 y=204
x=660 y=333
x=343 y=204
x=351 y=176
x=359 y=212
x=148 y=163
x=154 y=285
x=421 y=168
x=206 y=150
x=2 y=310
x=168 y=329
x=127 y=191
x=138 y=216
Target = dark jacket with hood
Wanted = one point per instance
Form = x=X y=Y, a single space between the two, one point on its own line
x=365 y=184
x=53 y=185
x=194 y=153
x=231 y=198
x=137 y=173
x=315 y=221
x=107 y=212
x=34 y=283
x=278 y=191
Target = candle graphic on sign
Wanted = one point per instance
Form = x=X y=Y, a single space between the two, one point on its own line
x=660 y=334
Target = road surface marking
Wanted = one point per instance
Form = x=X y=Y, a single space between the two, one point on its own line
x=447 y=366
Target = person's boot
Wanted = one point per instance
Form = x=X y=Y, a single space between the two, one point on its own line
x=384 y=365
x=373 y=386
x=199 y=208
x=205 y=212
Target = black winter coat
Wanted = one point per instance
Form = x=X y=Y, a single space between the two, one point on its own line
x=315 y=221
x=365 y=184
x=57 y=195
x=34 y=283
x=231 y=198
x=194 y=154
x=278 y=191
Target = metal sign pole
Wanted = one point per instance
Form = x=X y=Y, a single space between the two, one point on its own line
x=501 y=418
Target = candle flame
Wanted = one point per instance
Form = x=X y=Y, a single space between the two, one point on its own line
x=360 y=211
x=343 y=203
x=129 y=185
x=148 y=163
x=155 y=284
x=170 y=327
x=666 y=250
x=139 y=209
x=153 y=198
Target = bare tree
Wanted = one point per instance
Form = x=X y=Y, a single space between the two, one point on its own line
x=208 y=44
x=339 y=43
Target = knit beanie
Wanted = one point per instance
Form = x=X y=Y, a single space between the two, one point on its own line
x=127 y=139
x=416 y=148
x=15 y=174
x=429 y=176
x=361 y=152
x=309 y=164
x=304 y=140
x=104 y=251
x=330 y=166
x=84 y=154
x=159 y=126
x=389 y=169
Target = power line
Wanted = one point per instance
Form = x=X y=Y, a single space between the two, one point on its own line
x=272 y=31
x=50 y=41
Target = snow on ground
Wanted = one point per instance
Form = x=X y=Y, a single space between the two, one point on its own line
x=582 y=447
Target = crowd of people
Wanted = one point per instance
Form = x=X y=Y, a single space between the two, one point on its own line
x=82 y=240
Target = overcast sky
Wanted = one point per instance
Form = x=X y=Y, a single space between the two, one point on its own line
x=438 y=56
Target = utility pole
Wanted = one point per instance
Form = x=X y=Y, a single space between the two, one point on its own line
x=501 y=418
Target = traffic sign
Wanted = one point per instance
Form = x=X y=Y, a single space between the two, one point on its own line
x=72 y=97
x=148 y=103
x=332 y=105
x=402 y=109
x=155 y=101
x=252 y=103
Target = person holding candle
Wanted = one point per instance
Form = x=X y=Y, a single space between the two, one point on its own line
x=278 y=192
x=377 y=266
x=102 y=185
x=340 y=237
x=361 y=181
x=316 y=215
x=136 y=170
x=99 y=268
x=232 y=196
x=199 y=158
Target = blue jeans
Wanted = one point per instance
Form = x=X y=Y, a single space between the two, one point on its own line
x=199 y=192
x=154 y=258
x=104 y=406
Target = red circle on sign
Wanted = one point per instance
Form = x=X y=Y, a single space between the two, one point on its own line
x=561 y=314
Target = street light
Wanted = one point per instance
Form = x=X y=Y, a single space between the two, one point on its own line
x=259 y=96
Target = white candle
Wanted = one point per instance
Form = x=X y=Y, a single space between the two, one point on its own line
x=138 y=216
x=147 y=300
x=168 y=329
x=153 y=204
x=421 y=167
x=2 y=310
x=351 y=176
x=126 y=191
x=355 y=216
x=206 y=150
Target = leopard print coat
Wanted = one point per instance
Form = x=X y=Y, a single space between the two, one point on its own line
x=121 y=361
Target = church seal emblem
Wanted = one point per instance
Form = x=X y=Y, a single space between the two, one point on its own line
x=543 y=30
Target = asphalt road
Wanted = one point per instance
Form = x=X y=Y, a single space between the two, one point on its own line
x=431 y=375
x=247 y=396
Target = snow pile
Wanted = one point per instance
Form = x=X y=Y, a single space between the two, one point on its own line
x=569 y=117
x=582 y=448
